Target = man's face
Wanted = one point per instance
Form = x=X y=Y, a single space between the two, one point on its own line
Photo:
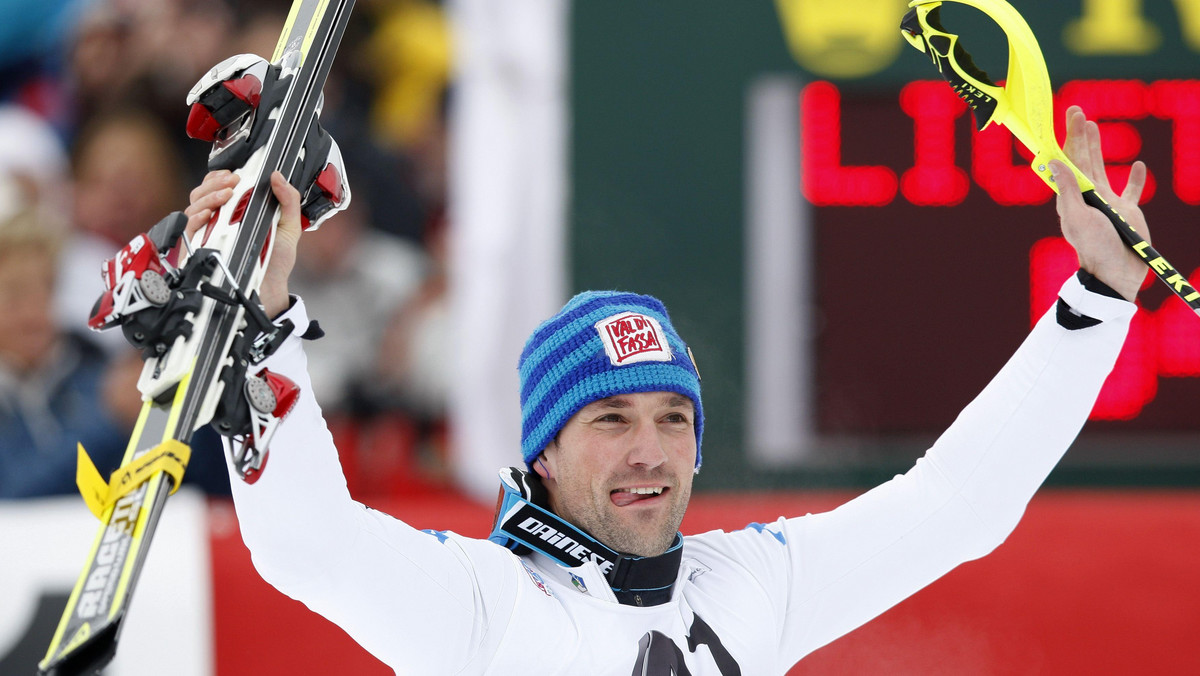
x=621 y=469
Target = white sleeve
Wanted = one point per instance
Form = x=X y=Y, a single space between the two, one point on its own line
x=964 y=497
x=410 y=598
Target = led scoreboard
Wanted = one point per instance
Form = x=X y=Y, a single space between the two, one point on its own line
x=957 y=240
x=854 y=260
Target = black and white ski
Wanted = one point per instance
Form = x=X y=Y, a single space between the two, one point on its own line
x=197 y=320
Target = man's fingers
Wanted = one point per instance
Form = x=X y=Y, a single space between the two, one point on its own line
x=1068 y=186
x=1095 y=170
x=1070 y=199
x=213 y=180
x=274 y=290
x=289 y=204
x=217 y=189
x=209 y=202
x=214 y=191
x=1132 y=196
x=1076 y=142
x=1082 y=146
x=196 y=221
x=1136 y=184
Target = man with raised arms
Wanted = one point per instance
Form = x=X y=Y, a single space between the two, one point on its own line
x=586 y=572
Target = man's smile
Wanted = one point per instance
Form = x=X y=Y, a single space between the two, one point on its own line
x=622 y=497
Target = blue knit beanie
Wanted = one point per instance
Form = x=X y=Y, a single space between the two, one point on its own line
x=602 y=343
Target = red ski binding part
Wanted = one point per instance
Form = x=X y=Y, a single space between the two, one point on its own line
x=269 y=397
x=226 y=96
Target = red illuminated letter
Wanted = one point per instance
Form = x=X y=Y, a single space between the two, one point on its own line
x=826 y=181
x=1178 y=337
x=1134 y=379
x=1179 y=101
x=994 y=171
x=934 y=179
x=1051 y=261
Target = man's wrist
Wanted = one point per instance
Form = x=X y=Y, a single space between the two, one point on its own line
x=1086 y=301
x=276 y=303
x=1092 y=283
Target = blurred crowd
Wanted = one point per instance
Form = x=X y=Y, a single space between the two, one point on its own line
x=93 y=152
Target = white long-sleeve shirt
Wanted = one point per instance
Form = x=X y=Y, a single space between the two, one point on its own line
x=754 y=601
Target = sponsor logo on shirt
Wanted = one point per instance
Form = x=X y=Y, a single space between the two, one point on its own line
x=537 y=580
x=439 y=534
x=659 y=654
x=770 y=529
x=579 y=583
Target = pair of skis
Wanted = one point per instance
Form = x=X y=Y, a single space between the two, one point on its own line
x=197 y=320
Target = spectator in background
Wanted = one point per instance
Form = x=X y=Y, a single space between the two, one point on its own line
x=411 y=54
x=407 y=59
x=148 y=53
x=127 y=177
x=31 y=150
x=414 y=355
x=56 y=389
x=385 y=108
x=408 y=62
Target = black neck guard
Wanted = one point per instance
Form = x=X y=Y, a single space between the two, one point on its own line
x=524 y=525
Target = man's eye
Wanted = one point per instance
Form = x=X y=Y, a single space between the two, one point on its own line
x=609 y=417
x=676 y=418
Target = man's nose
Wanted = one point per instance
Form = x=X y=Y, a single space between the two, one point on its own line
x=647 y=449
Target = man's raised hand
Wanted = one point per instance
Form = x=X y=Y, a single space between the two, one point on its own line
x=215 y=190
x=1100 y=249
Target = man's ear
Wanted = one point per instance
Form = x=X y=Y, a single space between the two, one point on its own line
x=540 y=467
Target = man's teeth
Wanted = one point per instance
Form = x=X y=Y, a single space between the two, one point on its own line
x=641 y=491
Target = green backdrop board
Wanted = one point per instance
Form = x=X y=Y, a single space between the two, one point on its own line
x=924 y=247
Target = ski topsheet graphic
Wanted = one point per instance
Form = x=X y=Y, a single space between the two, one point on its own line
x=191 y=307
